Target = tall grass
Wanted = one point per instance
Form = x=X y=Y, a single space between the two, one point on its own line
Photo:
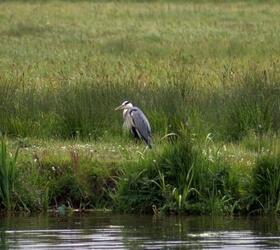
x=7 y=176
x=266 y=184
x=179 y=178
x=85 y=108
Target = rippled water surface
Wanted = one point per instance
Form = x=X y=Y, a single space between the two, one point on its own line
x=111 y=231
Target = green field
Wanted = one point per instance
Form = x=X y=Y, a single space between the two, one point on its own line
x=65 y=66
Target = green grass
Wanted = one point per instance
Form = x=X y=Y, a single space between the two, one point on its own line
x=72 y=173
x=7 y=176
x=186 y=175
x=65 y=66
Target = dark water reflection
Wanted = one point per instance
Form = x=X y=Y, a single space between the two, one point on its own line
x=111 y=231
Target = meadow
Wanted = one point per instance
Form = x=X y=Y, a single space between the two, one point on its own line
x=208 y=71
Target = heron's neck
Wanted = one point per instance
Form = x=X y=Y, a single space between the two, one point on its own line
x=128 y=107
x=125 y=112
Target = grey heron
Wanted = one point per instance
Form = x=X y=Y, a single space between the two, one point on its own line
x=136 y=121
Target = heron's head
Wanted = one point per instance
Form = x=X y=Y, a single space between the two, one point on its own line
x=124 y=105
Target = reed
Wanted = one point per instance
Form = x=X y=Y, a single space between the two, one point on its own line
x=266 y=184
x=7 y=176
x=178 y=178
x=85 y=109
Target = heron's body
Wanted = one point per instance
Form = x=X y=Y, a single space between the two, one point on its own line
x=128 y=124
x=136 y=121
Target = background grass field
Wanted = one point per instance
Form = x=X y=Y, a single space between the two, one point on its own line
x=65 y=65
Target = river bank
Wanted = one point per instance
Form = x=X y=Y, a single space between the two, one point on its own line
x=184 y=175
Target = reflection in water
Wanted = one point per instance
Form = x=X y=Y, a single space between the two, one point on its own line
x=110 y=231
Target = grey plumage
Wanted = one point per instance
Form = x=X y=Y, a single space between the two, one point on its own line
x=141 y=125
x=136 y=121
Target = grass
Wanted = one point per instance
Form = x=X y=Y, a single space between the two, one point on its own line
x=71 y=65
x=7 y=176
x=188 y=175
x=266 y=185
x=74 y=174
x=192 y=177
x=214 y=65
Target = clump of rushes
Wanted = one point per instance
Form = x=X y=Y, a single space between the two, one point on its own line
x=7 y=176
x=265 y=194
x=179 y=178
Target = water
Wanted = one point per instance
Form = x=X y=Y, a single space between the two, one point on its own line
x=111 y=231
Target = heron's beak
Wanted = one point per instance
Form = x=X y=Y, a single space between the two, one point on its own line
x=119 y=107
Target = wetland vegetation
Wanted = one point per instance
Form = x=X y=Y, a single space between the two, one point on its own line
x=206 y=71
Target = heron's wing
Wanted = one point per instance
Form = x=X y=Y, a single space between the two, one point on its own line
x=142 y=124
